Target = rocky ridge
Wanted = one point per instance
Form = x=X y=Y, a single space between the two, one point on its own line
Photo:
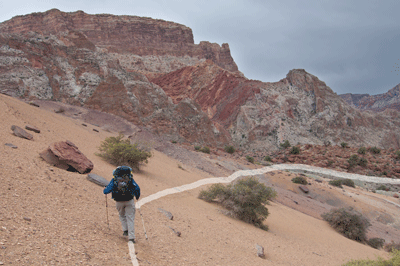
x=151 y=73
x=376 y=103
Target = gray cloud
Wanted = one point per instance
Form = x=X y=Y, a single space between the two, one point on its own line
x=351 y=45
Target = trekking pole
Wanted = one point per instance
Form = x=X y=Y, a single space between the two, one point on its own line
x=108 y=225
x=143 y=223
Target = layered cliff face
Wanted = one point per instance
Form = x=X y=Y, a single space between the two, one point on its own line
x=150 y=40
x=151 y=73
x=377 y=103
x=258 y=116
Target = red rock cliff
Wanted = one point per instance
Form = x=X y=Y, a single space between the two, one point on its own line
x=123 y=34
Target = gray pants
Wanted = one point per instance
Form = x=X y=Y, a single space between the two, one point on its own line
x=126 y=210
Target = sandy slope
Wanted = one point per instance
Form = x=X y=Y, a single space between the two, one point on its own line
x=68 y=217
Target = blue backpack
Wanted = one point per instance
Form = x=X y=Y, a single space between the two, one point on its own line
x=125 y=188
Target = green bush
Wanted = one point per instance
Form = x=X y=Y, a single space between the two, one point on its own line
x=394 y=261
x=205 y=149
x=340 y=182
x=268 y=158
x=295 y=150
x=119 y=151
x=348 y=222
x=374 y=150
x=244 y=199
x=398 y=155
x=353 y=160
x=348 y=182
x=362 y=150
x=382 y=187
x=344 y=145
x=363 y=162
x=230 y=149
x=250 y=159
x=376 y=243
x=197 y=148
x=285 y=144
x=300 y=180
x=336 y=183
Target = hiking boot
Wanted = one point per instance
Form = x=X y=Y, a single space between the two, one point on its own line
x=125 y=233
x=132 y=240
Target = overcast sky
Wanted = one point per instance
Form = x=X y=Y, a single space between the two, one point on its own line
x=352 y=45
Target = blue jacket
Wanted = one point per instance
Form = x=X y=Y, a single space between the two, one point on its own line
x=133 y=188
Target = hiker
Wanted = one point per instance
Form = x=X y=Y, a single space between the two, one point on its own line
x=123 y=189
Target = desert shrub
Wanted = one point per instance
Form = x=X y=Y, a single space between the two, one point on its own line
x=398 y=155
x=250 y=159
x=300 y=180
x=393 y=261
x=285 y=144
x=374 y=150
x=363 y=162
x=295 y=150
x=205 y=149
x=348 y=182
x=348 y=222
x=362 y=150
x=340 y=182
x=336 y=183
x=344 y=145
x=392 y=247
x=245 y=199
x=174 y=141
x=353 y=160
x=382 y=187
x=268 y=158
x=376 y=242
x=119 y=151
x=197 y=148
x=230 y=149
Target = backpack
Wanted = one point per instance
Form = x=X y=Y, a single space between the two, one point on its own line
x=125 y=188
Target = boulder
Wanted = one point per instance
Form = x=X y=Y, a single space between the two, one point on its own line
x=304 y=189
x=66 y=155
x=98 y=180
x=19 y=132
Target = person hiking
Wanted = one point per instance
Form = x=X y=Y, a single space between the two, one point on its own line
x=124 y=189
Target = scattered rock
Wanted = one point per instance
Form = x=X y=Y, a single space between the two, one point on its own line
x=166 y=213
x=60 y=110
x=66 y=155
x=31 y=128
x=98 y=180
x=95 y=130
x=396 y=196
x=19 y=132
x=176 y=232
x=304 y=189
x=11 y=145
x=27 y=219
x=34 y=104
x=260 y=251
x=84 y=125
